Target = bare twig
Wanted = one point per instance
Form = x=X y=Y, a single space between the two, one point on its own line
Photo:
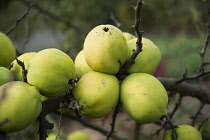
x=117 y=23
x=197 y=114
x=24 y=71
x=53 y=16
x=95 y=127
x=21 y=18
x=113 y=122
x=202 y=123
x=124 y=68
x=175 y=108
x=59 y=124
x=136 y=131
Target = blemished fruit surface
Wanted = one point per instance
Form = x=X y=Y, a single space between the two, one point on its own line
x=20 y=105
x=128 y=36
x=143 y=98
x=185 y=132
x=147 y=60
x=98 y=93
x=7 y=50
x=50 y=70
x=105 y=49
x=77 y=135
x=5 y=76
x=81 y=66
x=16 y=69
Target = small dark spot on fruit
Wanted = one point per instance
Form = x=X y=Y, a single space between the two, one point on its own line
x=11 y=66
x=106 y=29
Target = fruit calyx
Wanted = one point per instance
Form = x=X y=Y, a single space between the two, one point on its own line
x=106 y=29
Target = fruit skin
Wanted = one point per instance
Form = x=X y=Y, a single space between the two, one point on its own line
x=81 y=66
x=105 y=49
x=143 y=98
x=147 y=60
x=98 y=93
x=185 y=132
x=128 y=36
x=5 y=76
x=20 y=104
x=16 y=69
x=50 y=70
x=77 y=135
x=52 y=136
x=7 y=50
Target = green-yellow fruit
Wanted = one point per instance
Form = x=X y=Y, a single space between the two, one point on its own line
x=147 y=60
x=5 y=76
x=20 y=104
x=185 y=132
x=50 y=70
x=105 y=49
x=77 y=135
x=7 y=50
x=143 y=98
x=98 y=93
x=128 y=36
x=81 y=66
x=16 y=69
x=52 y=136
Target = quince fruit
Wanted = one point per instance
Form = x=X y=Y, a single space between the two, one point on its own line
x=50 y=70
x=20 y=105
x=143 y=98
x=77 y=135
x=16 y=69
x=128 y=36
x=81 y=66
x=105 y=49
x=5 y=76
x=7 y=50
x=185 y=132
x=147 y=60
x=98 y=93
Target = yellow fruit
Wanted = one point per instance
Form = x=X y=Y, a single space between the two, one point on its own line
x=185 y=132
x=98 y=93
x=5 y=76
x=143 y=98
x=16 y=69
x=77 y=135
x=81 y=66
x=7 y=50
x=147 y=60
x=128 y=36
x=105 y=49
x=20 y=104
x=50 y=70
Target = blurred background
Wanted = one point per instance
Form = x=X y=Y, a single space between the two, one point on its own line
x=177 y=27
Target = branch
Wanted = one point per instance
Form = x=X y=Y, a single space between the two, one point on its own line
x=53 y=16
x=30 y=5
x=197 y=114
x=113 y=122
x=125 y=67
x=24 y=71
x=117 y=23
x=97 y=128
x=136 y=131
x=185 y=89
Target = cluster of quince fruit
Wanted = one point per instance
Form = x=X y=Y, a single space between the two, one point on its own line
x=50 y=72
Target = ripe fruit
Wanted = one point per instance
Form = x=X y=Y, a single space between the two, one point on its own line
x=52 y=136
x=16 y=69
x=20 y=104
x=128 y=36
x=5 y=76
x=98 y=93
x=7 y=50
x=50 y=70
x=185 y=132
x=147 y=60
x=143 y=98
x=105 y=49
x=77 y=135
x=81 y=66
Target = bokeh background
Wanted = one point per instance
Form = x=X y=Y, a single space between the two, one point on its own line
x=177 y=27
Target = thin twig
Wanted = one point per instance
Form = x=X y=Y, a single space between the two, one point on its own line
x=176 y=107
x=21 y=18
x=202 y=123
x=117 y=23
x=113 y=122
x=124 y=68
x=59 y=124
x=197 y=114
x=24 y=71
x=136 y=131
